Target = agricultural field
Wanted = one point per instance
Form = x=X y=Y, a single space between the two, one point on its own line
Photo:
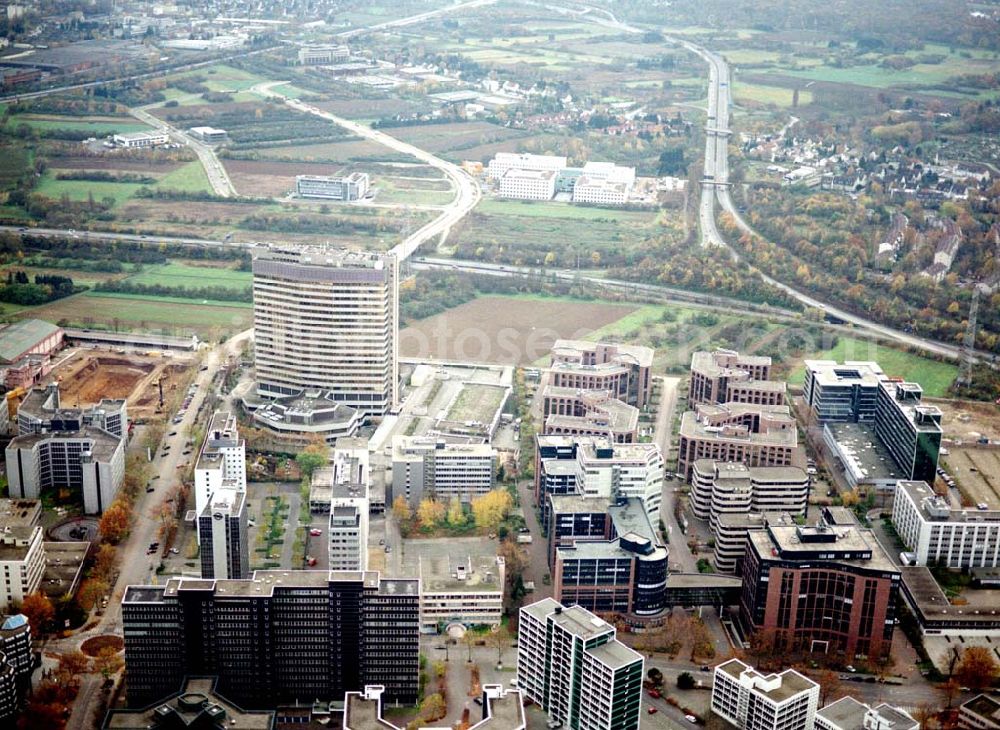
x=934 y=376
x=189 y=177
x=767 y=95
x=95 y=126
x=526 y=232
x=529 y=326
x=186 y=275
x=209 y=320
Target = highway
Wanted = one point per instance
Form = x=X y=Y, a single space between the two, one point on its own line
x=716 y=178
x=467 y=190
x=216 y=172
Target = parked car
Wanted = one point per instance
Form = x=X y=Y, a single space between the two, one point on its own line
x=315 y=533
x=651 y=710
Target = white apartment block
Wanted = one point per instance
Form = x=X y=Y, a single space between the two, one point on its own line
x=424 y=467
x=520 y=184
x=570 y=662
x=326 y=323
x=505 y=161
x=719 y=487
x=22 y=555
x=68 y=448
x=634 y=471
x=222 y=463
x=849 y=714
x=953 y=538
x=753 y=701
x=346 y=188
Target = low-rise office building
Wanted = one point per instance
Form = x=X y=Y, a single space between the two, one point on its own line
x=595 y=467
x=982 y=712
x=622 y=572
x=827 y=587
x=502 y=710
x=600 y=191
x=209 y=135
x=862 y=458
x=323 y=54
x=570 y=662
x=751 y=700
x=281 y=636
x=348 y=188
x=623 y=371
x=504 y=161
x=140 y=140
x=461 y=582
x=726 y=376
x=575 y=412
x=520 y=184
x=751 y=434
x=842 y=392
x=849 y=714
x=732 y=487
x=79 y=449
x=940 y=535
x=429 y=467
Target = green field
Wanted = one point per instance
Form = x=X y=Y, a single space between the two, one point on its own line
x=190 y=177
x=541 y=209
x=176 y=274
x=933 y=376
x=82 y=189
x=158 y=314
x=769 y=94
x=100 y=128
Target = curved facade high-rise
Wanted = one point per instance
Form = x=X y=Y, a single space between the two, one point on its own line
x=327 y=322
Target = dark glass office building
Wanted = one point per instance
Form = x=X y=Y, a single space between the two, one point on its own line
x=280 y=637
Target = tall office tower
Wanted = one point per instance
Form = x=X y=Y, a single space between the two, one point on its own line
x=910 y=431
x=281 y=636
x=725 y=376
x=571 y=664
x=754 y=701
x=223 y=536
x=222 y=463
x=826 y=587
x=327 y=322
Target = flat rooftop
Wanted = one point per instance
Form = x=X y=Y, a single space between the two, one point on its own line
x=719 y=363
x=862 y=452
x=829 y=373
x=516 y=173
x=935 y=508
x=194 y=705
x=581 y=622
x=793 y=543
x=846 y=713
x=980 y=607
x=712 y=421
x=438 y=563
x=785 y=684
x=608 y=353
x=985 y=706
x=20 y=512
x=615 y=655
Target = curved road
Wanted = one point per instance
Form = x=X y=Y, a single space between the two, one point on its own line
x=716 y=177
x=467 y=190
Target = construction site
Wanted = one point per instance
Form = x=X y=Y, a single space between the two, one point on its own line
x=87 y=376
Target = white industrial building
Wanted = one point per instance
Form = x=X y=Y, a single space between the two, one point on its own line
x=935 y=532
x=347 y=188
x=319 y=55
x=519 y=184
x=82 y=450
x=504 y=161
x=426 y=466
x=753 y=701
x=570 y=662
x=138 y=140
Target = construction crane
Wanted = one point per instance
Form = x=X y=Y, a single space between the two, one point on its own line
x=969 y=343
x=14 y=401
